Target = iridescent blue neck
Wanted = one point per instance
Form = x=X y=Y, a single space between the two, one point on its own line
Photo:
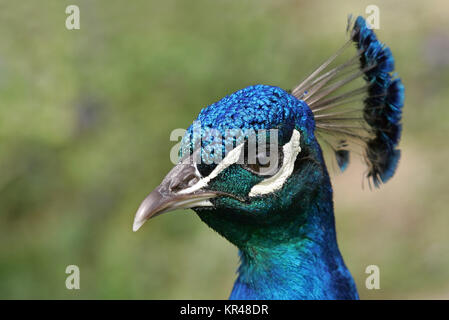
x=306 y=266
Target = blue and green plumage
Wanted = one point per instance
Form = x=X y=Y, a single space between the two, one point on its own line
x=285 y=230
x=288 y=251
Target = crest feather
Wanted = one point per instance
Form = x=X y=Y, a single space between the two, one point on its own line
x=365 y=119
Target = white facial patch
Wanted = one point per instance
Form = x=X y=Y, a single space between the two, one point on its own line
x=291 y=150
x=231 y=158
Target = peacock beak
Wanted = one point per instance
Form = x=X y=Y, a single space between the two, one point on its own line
x=178 y=190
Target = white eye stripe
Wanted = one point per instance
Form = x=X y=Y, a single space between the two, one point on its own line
x=291 y=150
x=232 y=157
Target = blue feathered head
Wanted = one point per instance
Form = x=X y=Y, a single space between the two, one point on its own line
x=252 y=110
x=258 y=152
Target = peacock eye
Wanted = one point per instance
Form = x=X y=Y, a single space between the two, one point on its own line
x=266 y=162
x=205 y=169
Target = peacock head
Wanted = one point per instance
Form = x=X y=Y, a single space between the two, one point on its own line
x=251 y=166
x=244 y=163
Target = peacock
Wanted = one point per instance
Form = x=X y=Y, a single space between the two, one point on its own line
x=253 y=167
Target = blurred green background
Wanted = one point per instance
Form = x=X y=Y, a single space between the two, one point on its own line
x=85 y=119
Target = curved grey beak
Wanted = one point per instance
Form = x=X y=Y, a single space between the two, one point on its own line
x=180 y=189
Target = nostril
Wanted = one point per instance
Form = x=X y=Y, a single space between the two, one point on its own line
x=183 y=182
x=192 y=180
x=174 y=185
